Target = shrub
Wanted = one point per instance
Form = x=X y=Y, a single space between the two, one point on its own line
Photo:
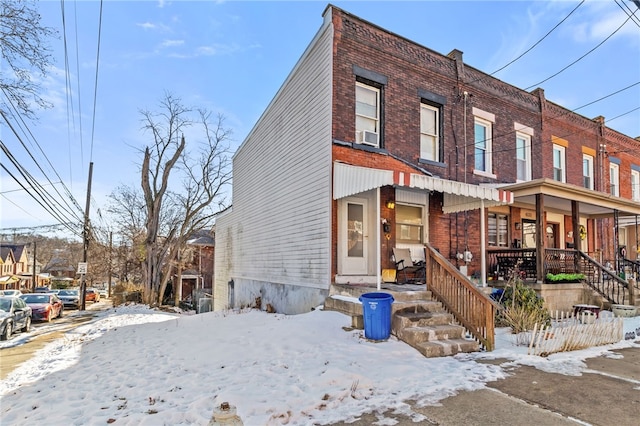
x=523 y=308
x=553 y=278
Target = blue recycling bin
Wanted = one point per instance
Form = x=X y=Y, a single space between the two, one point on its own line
x=376 y=311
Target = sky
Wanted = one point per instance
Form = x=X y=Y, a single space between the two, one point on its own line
x=146 y=367
x=231 y=57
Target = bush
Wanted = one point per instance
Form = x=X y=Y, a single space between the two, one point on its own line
x=523 y=308
x=574 y=278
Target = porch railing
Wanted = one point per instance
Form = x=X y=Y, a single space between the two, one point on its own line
x=502 y=262
x=631 y=265
x=604 y=281
x=469 y=306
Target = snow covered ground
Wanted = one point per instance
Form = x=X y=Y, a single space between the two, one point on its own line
x=137 y=366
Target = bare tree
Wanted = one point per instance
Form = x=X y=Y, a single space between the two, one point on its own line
x=173 y=215
x=24 y=49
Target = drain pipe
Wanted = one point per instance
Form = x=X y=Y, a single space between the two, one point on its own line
x=378 y=241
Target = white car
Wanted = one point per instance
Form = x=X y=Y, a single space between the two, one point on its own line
x=103 y=293
x=10 y=293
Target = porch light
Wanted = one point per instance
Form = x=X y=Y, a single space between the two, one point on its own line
x=391 y=205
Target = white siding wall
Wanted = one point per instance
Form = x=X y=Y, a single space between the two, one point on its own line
x=278 y=234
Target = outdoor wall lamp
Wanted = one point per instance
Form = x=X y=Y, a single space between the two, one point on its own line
x=391 y=205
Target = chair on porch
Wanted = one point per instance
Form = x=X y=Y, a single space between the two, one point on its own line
x=405 y=265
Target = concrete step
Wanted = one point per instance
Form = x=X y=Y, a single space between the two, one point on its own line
x=421 y=319
x=450 y=347
x=432 y=333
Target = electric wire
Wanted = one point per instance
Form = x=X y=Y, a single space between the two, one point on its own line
x=581 y=57
x=532 y=46
x=626 y=9
x=68 y=193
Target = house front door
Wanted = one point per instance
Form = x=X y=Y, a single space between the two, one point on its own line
x=354 y=236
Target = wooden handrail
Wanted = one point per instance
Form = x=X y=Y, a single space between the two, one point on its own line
x=469 y=306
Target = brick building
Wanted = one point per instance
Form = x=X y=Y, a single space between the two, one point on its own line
x=374 y=142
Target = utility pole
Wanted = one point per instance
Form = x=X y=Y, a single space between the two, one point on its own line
x=110 y=259
x=85 y=234
x=33 y=273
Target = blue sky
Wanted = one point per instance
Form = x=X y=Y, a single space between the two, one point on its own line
x=232 y=56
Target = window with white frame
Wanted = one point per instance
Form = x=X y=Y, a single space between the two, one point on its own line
x=367 y=114
x=523 y=157
x=614 y=179
x=559 y=163
x=482 y=138
x=635 y=185
x=409 y=227
x=498 y=230
x=429 y=132
x=587 y=171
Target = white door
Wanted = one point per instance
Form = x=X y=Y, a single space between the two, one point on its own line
x=354 y=236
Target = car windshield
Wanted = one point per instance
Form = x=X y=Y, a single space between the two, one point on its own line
x=68 y=293
x=5 y=304
x=36 y=298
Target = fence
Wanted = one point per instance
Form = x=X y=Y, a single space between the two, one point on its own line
x=570 y=332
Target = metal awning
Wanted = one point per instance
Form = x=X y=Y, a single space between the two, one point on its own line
x=458 y=196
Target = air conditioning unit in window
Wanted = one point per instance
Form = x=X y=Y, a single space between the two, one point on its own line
x=366 y=137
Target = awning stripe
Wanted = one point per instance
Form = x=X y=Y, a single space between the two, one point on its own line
x=458 y=196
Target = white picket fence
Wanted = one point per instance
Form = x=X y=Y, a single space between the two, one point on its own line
x=569 y=332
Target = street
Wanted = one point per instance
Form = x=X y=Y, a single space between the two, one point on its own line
x=21 y=346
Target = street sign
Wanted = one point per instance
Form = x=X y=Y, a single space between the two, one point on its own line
x=82 y=267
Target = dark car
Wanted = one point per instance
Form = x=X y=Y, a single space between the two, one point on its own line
x=15 y=314
x=42 y=290
x=44 y=306
x=70 y=298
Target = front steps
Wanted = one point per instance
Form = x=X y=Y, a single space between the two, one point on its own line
x=415 y=318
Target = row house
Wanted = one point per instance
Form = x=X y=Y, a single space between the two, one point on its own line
x=18 y=267
x=375 y=143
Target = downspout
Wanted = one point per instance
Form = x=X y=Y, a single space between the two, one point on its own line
x=378 y=240
x=483 y=248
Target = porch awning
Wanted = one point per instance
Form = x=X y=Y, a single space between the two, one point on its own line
x=9 y=279
x=458 y=196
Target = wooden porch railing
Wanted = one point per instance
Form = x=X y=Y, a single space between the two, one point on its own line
x=470 y=307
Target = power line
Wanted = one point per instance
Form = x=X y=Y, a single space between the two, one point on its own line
x=581 y=57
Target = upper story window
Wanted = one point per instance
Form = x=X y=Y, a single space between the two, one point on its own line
x=523 y=157
x=367 y=114
x=498 y=230
x=482 y=136
x=635 y=184
x=614 y=178
x=483 y=133
x=587 y=171
x=430 y=133
x=523 y=151
x=559 y=163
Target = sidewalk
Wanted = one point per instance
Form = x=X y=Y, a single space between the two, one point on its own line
x=607 y=393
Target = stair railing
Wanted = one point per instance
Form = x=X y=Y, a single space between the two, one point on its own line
x=461 y=298
x=604 y=281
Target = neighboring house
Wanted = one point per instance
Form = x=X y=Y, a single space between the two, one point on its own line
x=375 y=142
x=198 y=263
x=59 y=269
x=7 y=261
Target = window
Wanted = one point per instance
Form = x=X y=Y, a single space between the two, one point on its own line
x=587 y=171
x=614 y=175
x=367 y=114
x=482 y=138
x=635 y=185
x=523 y=157
x=409 y=224
x=498 y=230
x=559 y=163
x=429 y=132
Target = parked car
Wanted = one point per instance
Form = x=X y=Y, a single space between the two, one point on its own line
x=10 y=293
x=103 y=293
x=70 y=298
x=15 y=314
x=92 y=295
x=44 y=306
x=42 y=290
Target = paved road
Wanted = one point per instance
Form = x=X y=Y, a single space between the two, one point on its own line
x=607 y=393
x=43 y=333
